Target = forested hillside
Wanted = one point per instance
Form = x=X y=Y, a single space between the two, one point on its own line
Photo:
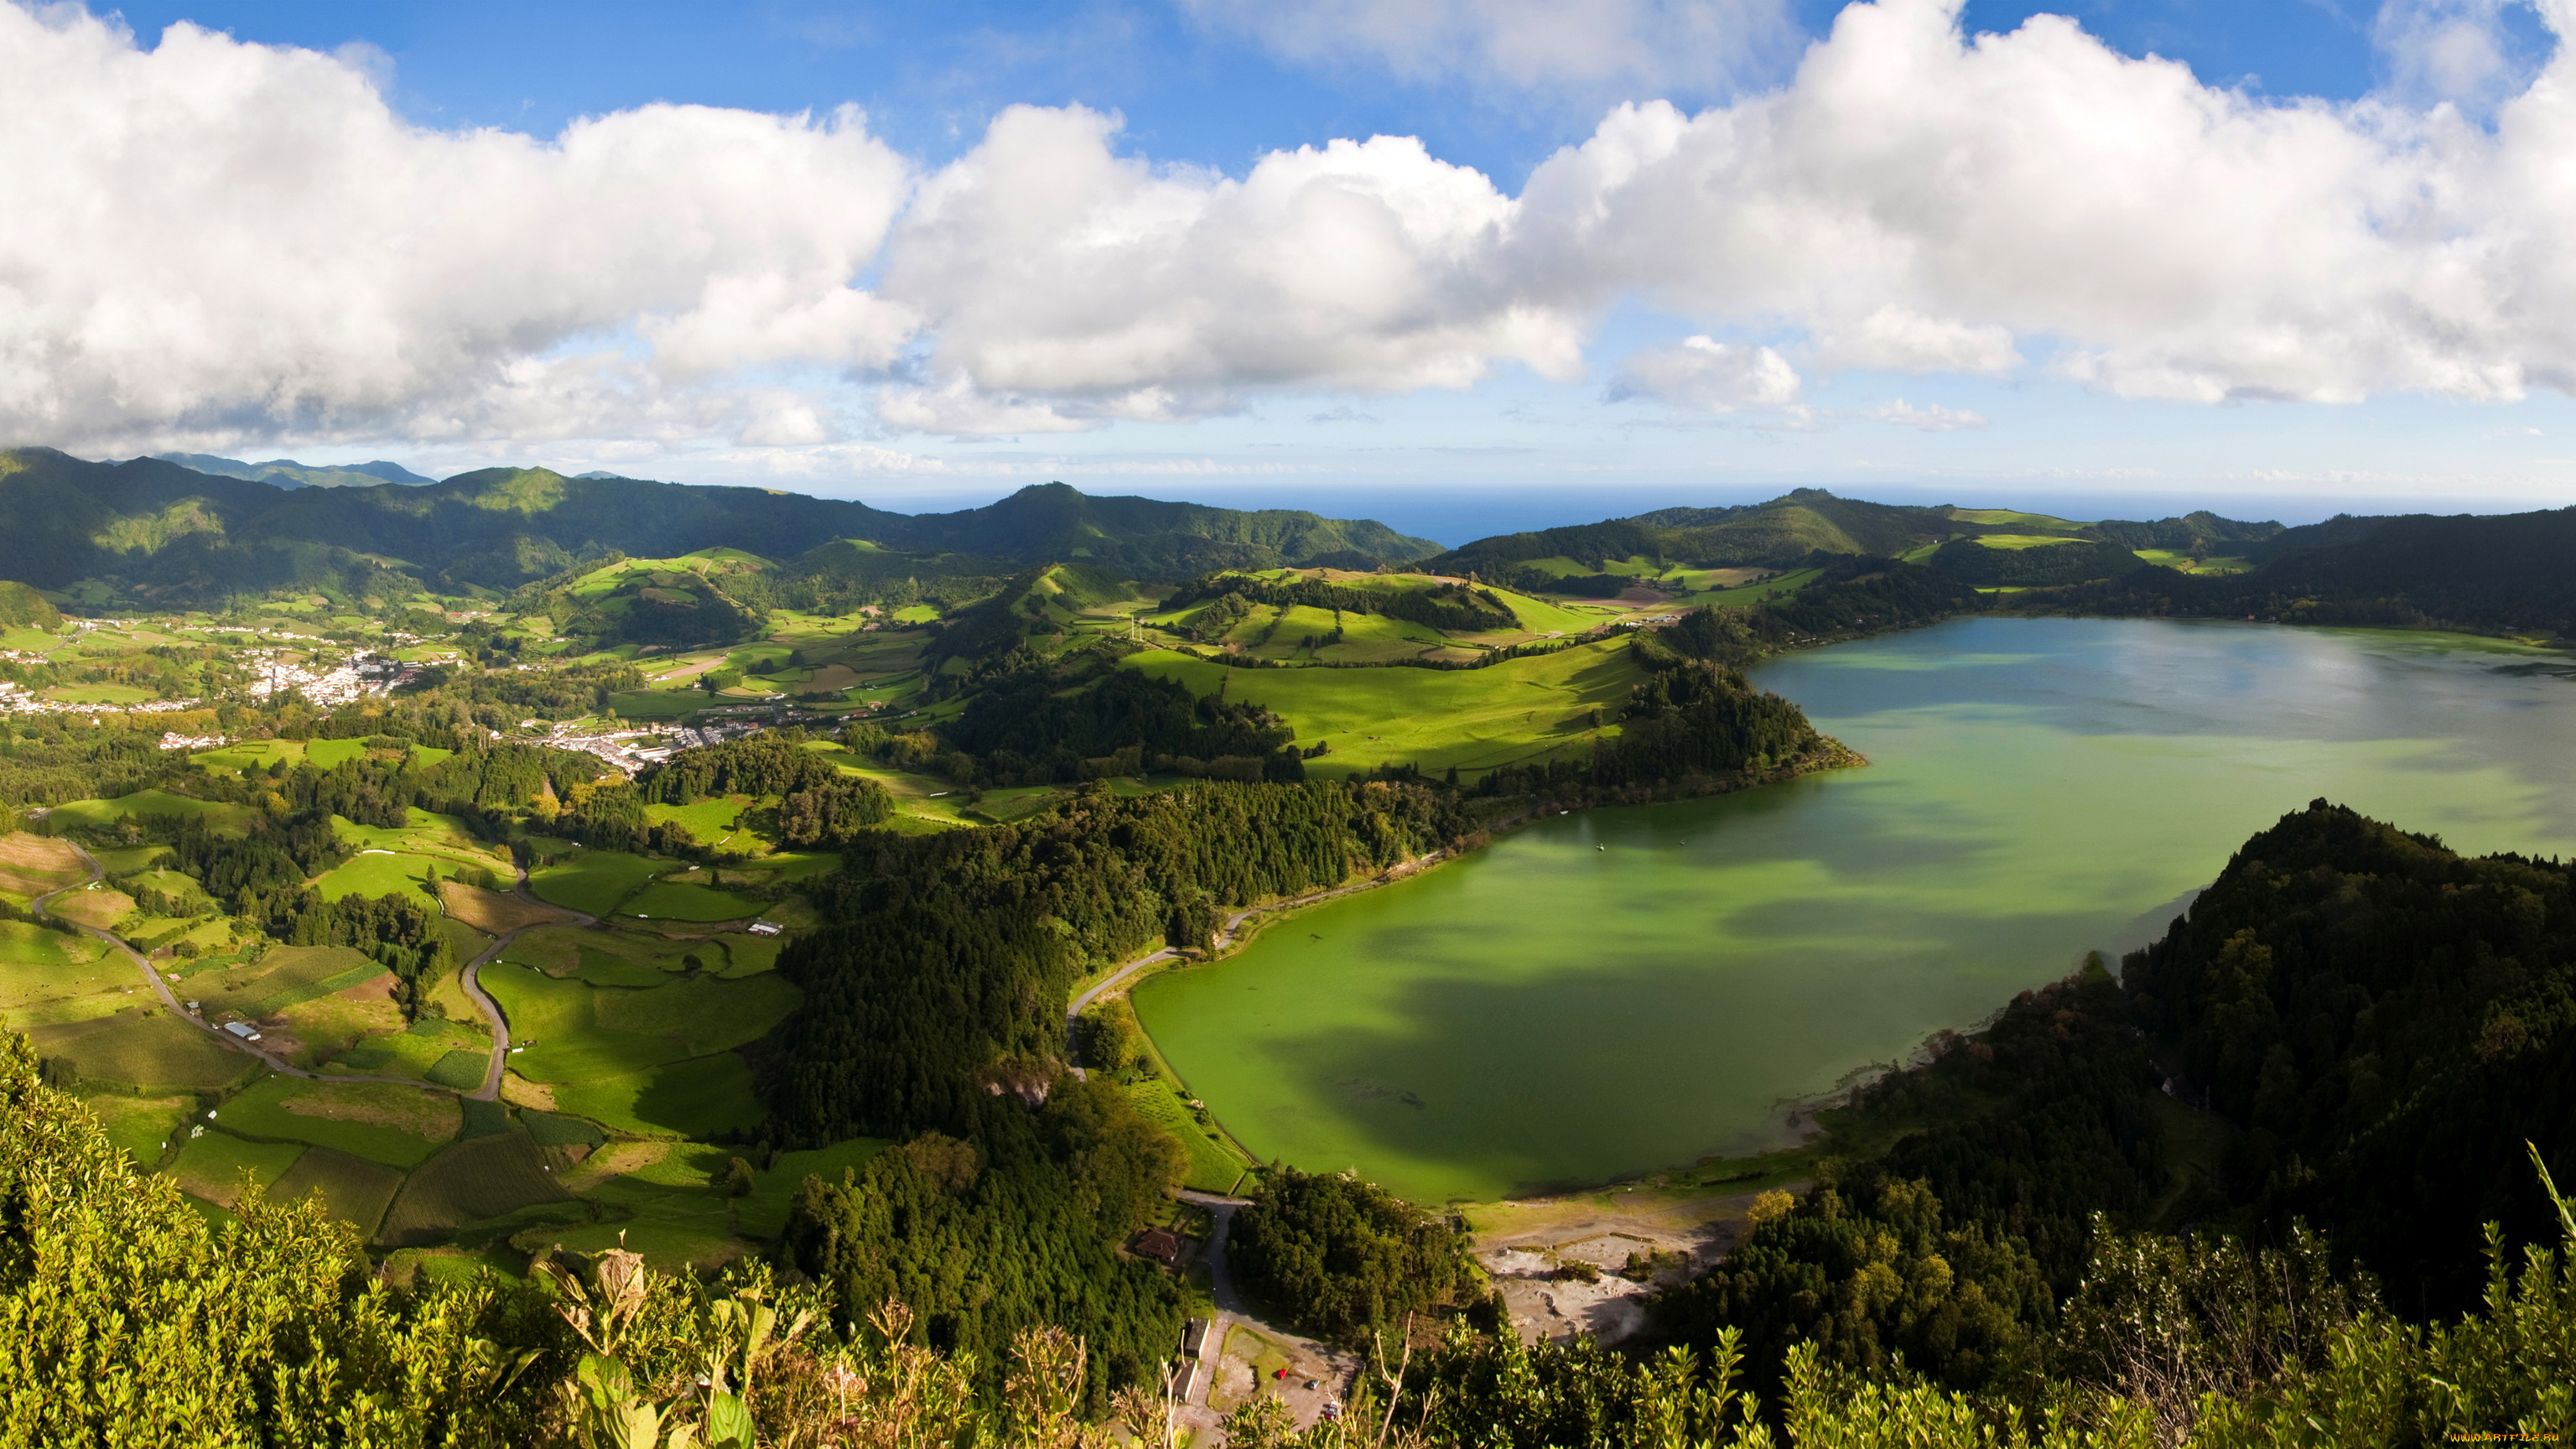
x=2354 y=1033
x=2500 y=573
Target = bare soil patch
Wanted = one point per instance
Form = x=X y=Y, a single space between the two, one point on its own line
x=32 y=864
x=1541 y=1251
x=496 y=913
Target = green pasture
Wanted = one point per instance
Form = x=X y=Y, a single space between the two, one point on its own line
x=2007 y=518
x=380 y=1121
x=1473 y=719
x=412 y=1052
x=140 y=1125
x=605 y=956
x=323 y=754
x=1213 y=1165
x=474 y=1181
x=98 y=694
x=144 y=804
x=700 y=1097
x=762 y=1212
x=2177 y=559
x=685 y=901
x=1745 y=596
x=214 y=1163
x=915 y=614
x=2015 y=542
x=128 y=860
x=657 y=704
x=422 y=832
x=143 y=1047
x=50 y=977
x=249 y=755
x=353 y=1189
x=377 y=873
x=576 y=1032
x=594 y=881
x=183 y=889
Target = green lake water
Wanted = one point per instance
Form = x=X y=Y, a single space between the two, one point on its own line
x=1549 y=1012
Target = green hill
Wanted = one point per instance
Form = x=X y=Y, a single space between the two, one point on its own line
x=161 y=530
x=23 y=608
x=287 y=473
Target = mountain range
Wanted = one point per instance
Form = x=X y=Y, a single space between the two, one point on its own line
x=156 y=529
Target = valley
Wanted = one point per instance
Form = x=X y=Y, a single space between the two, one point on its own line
x=706 y=874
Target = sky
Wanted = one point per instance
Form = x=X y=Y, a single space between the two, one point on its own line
x=1461 y=264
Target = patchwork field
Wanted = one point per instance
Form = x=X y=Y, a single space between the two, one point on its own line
x=283 y=976
x=51 y=977
x=143 y=1047
x=353 y=1189
x=415 y=1050
x=474 y=1181
x=323 y=1027
x=144 y=803
x=373 y=873
x=495 y=913
x=216 y=1166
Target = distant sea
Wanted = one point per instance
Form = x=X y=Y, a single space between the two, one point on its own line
x=1456 y=513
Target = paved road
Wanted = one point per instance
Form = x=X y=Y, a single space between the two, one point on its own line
x=471 y=978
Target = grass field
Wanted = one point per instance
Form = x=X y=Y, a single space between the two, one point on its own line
x=49 y=978
x=683 y=901
x=576 y=1032
x=1214 y=1166
x=148 y=803
x=140 y=1125
x=280 y=978
x=701 y=1097
x=475 y=1180
x=144 y=1047
x=594 y=881
x=380 y=1121
x=377 y=873
x=353 y=1189
x=1471 y=718
x=212 y=1165
x=2014 y=542
x=129 y=859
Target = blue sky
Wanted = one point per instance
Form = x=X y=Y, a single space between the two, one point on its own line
x=2221 y=368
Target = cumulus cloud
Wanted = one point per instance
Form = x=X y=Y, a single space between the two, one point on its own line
x=1918 y=198
x=1055 y=266
x=1708 y=375
x=1652 y=47
x=209 y=238
x=218 y=237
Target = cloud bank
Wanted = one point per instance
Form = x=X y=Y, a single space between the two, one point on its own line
x=210 y=240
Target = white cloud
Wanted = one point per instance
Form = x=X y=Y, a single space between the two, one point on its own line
x=1932 y=418
x=2166 y=239
x=1708 y=375
x=221 y=238
x=1054 y=266
x=209 y=240
x=1579 y=46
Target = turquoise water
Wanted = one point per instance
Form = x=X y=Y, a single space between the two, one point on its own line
x=1553 y=1012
